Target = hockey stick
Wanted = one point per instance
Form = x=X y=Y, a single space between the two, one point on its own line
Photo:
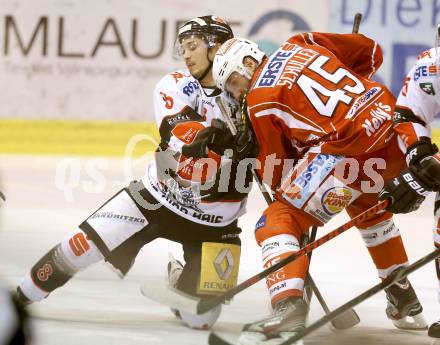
x=365 y=295
x=343 y=321
x=267 y=196
x=209 y=303
x=214 y=339
x=356 y=23
x=161 y=292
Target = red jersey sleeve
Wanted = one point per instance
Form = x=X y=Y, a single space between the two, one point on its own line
x=359 y=53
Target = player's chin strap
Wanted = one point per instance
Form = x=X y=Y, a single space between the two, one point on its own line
x=207 y=70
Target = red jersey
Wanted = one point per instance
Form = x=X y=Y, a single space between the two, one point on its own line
x=316 y=91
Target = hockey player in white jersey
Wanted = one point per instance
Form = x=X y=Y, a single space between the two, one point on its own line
x=179 y=198
x=417 y=105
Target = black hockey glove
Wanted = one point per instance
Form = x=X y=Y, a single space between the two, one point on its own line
x=245 y=144
x=421 y=149
x=428 y=170
x=421 y=156
x=407 y=191
x=216 y=137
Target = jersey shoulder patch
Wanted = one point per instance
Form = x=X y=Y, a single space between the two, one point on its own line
x=180 y=81
x=426 y=66
x=427 y=88
x=169 y=122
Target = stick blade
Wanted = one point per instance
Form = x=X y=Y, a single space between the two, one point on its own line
x=207 y=303
x=346 y=320
x=215 y=339
x=164 y=294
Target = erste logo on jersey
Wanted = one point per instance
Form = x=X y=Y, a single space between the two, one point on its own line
x=336 y=199
x=425 y=71
x=285 y=66
x=271 y=71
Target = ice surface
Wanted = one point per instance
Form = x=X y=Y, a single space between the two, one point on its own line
x=96 y=307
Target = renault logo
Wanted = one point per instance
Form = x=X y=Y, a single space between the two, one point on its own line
x=224 y=258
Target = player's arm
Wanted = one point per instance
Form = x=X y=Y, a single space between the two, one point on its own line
x=359 y=53
x=190 y=149
x=275 y=151
x=415 y=109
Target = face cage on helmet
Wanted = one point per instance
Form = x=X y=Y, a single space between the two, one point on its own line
x=209 y=42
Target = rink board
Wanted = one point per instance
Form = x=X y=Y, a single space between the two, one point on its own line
x=86 y=138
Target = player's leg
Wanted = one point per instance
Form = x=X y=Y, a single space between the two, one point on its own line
x=385 y=245
x=434 y=329
x=212 y=257
x=15 y=327
x=97 y=238
x=278 y=232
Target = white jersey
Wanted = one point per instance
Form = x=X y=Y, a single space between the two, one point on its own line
x=419 y=103
x=174 y=95
x=420 y=96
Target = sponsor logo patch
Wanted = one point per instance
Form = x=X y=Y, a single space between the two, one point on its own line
x=379 y=116
x=432 y=70
x=261 y=222
x=360 y=101
x=427 y=88
x=190 y=88
x=271 y=72
x=305 y=184
x=335 y=199
x=421 y=71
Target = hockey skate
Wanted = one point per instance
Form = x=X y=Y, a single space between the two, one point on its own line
x=20 y=298
x=434 y=330
x=402 y=304
x=174 y=268
x=287 y=319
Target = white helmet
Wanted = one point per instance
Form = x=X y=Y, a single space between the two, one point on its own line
x=230 y=57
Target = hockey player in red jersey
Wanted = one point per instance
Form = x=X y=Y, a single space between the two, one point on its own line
x=170 y=200
x=417 y=105
x=313 y=97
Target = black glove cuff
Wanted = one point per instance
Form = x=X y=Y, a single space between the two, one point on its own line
x=421 y=149
x=428 y=172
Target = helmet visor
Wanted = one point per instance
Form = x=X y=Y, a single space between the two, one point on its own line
x=190 y=42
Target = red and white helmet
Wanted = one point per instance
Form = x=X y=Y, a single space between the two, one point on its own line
x=230 y=58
